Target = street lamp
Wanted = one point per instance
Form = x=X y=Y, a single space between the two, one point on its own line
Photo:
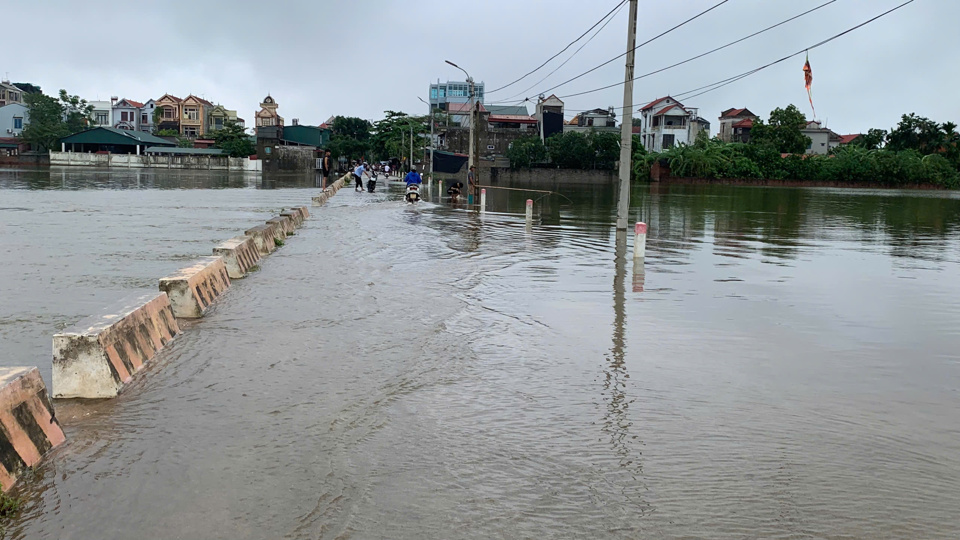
x=471 y=159
x=431 y=136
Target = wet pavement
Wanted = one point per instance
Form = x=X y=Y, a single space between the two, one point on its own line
x=786 y=365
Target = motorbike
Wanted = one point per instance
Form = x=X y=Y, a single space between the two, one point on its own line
x=372 y=184
x=413 y=193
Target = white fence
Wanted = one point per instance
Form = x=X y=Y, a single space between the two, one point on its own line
x=132 y=161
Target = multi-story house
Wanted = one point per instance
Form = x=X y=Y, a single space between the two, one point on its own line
x=822 y=139
x=9 y=93
x=735 y=125
x=667 y=123
x=267 y=116
x=146 y=116
x=219 y=116
x=102 y=114
x=126 y=114
x=195 y=111
x=169 y=115
x=442 y=94
x=549 y=116
x=13 y=118
x=595 y=120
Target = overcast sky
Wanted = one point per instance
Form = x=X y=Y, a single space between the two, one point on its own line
x=361 y=57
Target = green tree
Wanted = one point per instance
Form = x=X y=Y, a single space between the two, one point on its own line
x=391 y=136
x=916 y=133
x=351 y=137
x=167 y=133
x=782 y=131
x=28 y=88
x=233 y=140
x=873 y=139
x=571 y=150
x=525 y=151
x=157 y=118
x=52 y=119
x=606 y=149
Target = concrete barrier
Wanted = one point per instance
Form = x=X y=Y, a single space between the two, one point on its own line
x=28 y=424
x=303 y=212
x=193 y=289
x=319 y=200
x=98 y=355
x=295 y=216
x=285 y=224
x=240 y=255
x=264 y=236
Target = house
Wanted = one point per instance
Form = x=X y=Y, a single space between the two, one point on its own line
x=195 y=112
x=12 y=119
x=549 y=116
x=595 y=120
x=267 y=116
x=111 y=140
x=146 y=116
x=102 y=114
x=219 y=116
x=822 y=139
x=169 y=115
x=850 y=139
x=442 y=95
x=666 y=123
x=459 y=113
x=9 y=93
x=735 y=125
x=126 y=114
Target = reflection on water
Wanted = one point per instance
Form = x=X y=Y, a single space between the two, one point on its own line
x=111 y=179
x=784 y=363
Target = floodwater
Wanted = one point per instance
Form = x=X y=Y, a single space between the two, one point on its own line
x=785 y=364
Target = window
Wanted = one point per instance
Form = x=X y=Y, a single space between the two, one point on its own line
x=144 y=119
x=443 y=91
x=433 y=93
x=190 y=131
x=168 y=113
x=218 y=123
x=102 y=118
x=191 y=113
x=17 y=123
x=668 y=141
x=123 y=116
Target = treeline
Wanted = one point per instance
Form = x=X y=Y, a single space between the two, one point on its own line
x=917 y=151
x=571 y=150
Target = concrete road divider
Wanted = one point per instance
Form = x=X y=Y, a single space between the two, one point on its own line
x=319 y=200
x=285 y=224
x=303 y=212
x=294 y=216
x=264 y=237
x=194 y=289
x=98 y=355
x=240 y=255
x=28 y=425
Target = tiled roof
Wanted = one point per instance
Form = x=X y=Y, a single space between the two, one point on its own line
x=671 y=107
x=847 y=139
x=745 y=123
x=653 y=103
x=508 y=109
x=132 y=103
x=513 y=118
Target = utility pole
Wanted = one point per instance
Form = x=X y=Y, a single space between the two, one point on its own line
x=411 y=146
x=626 y=130
x=430 y=106
x=471 y=161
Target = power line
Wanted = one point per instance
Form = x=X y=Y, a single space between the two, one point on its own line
x=781 y=23
x=534 y=85
x=691 y=19
x=622 y=2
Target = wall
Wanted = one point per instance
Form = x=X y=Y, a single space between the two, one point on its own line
x=545 y=177
x=132 y=161
x=7 y=113
x=458 y=139
x=296 y=158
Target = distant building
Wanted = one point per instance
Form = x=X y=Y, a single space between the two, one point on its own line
x=822 y=139
x=850 y=139
x=102 y=114
x=549 y=116
x=219 y=116
x=667 y=123
x=9 y=93
x=146 y=116
x=595 y=120
x=735 y=125
x=13 y=118
x=169 y=106
x=300 y=135
x=126 y=114
x=443 y=94
x=267 y=116
x=194 y=116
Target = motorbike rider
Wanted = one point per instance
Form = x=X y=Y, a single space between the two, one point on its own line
x=413 y=177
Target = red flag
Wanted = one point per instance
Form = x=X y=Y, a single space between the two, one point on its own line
x=808 y=83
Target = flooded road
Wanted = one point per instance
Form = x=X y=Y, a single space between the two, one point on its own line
x=786 y=365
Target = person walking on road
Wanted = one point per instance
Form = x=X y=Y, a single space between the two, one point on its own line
x=326 y=167
x=358 y=175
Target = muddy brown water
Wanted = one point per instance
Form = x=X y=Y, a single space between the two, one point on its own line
x=787 y=364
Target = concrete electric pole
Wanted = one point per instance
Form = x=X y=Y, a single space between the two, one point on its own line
x=626 y=131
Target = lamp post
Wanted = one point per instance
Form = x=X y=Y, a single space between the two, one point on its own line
x=471 y=160
x=431 y=136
